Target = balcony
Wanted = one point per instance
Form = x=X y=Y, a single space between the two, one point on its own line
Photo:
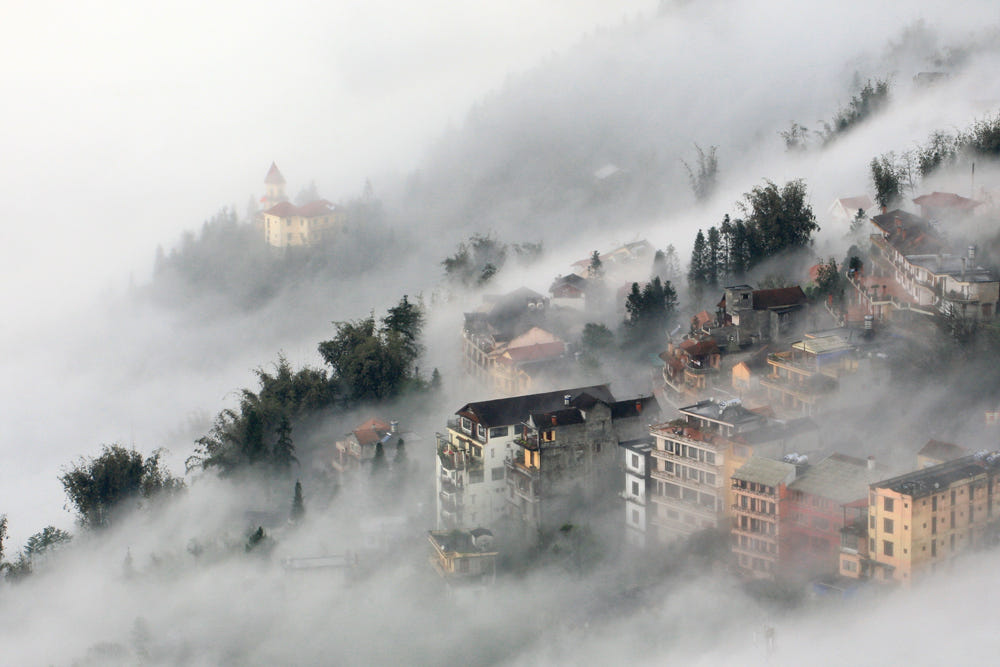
x=739 y=509
x=747 y=491
x=455 y=425
x=449 y=502
x=689 y=483
x=770 y=538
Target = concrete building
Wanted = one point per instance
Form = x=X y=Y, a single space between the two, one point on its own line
x=803 y=376
x=637 y=463
x=936 y=452
x=756 y=316
x=464 y=559
x=922 y=521
x=284 y=224
x=566 y=455
x=760 y=508
x=696 y=454
x=357 y=448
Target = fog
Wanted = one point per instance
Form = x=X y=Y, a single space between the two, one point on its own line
x=127 y=127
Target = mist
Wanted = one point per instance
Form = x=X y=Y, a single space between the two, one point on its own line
x=129 y=127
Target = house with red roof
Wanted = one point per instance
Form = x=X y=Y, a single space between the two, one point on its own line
x=286 y=224
x=358 y=447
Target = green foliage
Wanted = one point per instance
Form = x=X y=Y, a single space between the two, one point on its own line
x=379 y=464
x=284 y=451
x=48 y=538
x=481 y=257
x=259 y=542
x=96 y=486
x=887 y=178
x=3 y=533
x=298 y=504
x=650 y=312
x=830 y=283
x=697 y=269
x=870 y=100
x=796 y=138
x=595 y=270
x=597 y=338
x=704 y=177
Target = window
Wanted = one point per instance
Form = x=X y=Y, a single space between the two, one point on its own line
x=635 y=488
x=933 y=548
x=476 y=476
x=548 y=436
x=635 y=460
x=887 y=526
x=496 y=474
x=887 y=547
x=871 y=522
x=499 y=431
x=953 y=517
x=887 y=504
x=934 y=504
x=635 y=517
x=710 y=458
x=466 y=424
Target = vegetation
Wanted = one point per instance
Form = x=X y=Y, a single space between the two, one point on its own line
x=477 y=260
x=298 y=504
x=887 y=178
x=650 y=312
x=98 y=486
x=869 y=101
x=775 y=220
x=368 y=361
x=704 y=177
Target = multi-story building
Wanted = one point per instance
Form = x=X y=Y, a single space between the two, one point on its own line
x=462 y=558
x=637 y=464
x=274 y=188
x=697 y=453
x=566 y=455
x=921 y=521
x=913 y=271
x=823 y=499
x=802 y=376
x=691 y=367
x=755 y=316
x=286 y=224
x=760 y=507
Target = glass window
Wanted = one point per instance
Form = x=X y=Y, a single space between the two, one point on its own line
x=887 y=504
x=499 y=431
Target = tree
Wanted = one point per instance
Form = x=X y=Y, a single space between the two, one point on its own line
x=714 y=261
x=704 y=178
x=650 y=311
x=48 y=538
x=298 y=505
x=596 y=338
x=887 y=179
x=595 y=270
x=476 y=261
x=796 y=138
x=859 y=221
x=97 y=486
x=283 y=454
x=3 y=533
x=696 y=269
x=830 y=283
x=781 y=218
x=378 y=460
x=399 y=460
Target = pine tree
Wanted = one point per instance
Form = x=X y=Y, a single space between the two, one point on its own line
x=298 y=505
x=714 y=260
x=378 y=460
x=696 y=270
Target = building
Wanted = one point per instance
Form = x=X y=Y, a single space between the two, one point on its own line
x=274 y=188
x=803 y=376
x=358 y=447
x=760 y=507
x=506 y=346
x=913 y=271
x=845 y=210
x=566 y=455
x=464 y=559
x=945 y=205
x=691 y=367
x=922 y=521
x=286 y=224
x=696 y=454
x=824 y=499
x=637 y=463
x=755 y=316
x=936 y=452
x=569 y=291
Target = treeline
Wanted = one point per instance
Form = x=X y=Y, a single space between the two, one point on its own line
x=893 y=174
x=368 y=360
x=482 y=256
x=869 y=100
x=774 y=220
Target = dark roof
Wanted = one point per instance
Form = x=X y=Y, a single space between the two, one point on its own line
x=572 y=280
x=946 y=200
x=778 y=298
x=642 y=445
x=944 y=451
x=563 y=417
x=633 y=407
x=912 y=235
x=274 y=176
x=513 y=410
x=937 y=478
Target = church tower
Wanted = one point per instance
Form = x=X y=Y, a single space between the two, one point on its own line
x=274 y=184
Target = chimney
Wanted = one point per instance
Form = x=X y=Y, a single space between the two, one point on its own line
x=554 y=420
x=871 y=463
x=885 y=209
x=567 y=398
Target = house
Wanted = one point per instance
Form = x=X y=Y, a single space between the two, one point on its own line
x=358 y=447
x=569 y=291
x=696 y=454
x=637 y=464
x=464 y=558
x=692 y=366
x=803 y=376
x=945 y=205
x=613 y=261
x=505 y=344
x=566 y=454
x=763 y=315
x=936 y=452
x=922 y=521
x=760 y=508
x=845 y=210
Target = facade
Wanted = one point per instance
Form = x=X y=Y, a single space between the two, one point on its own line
x=922 y=521
x=802 y=376
x=566 y=455
x=844 y=210
x=691 y=367
x=696 y=454
x=760 y=507
x=637 y=463
x=936 y=452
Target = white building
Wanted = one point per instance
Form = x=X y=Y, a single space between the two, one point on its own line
x=637 y=466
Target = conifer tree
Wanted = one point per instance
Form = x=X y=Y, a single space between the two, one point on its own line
x=298 y=505
x=696 y=270
x=283 y=454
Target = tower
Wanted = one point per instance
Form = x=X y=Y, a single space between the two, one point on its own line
x=274 y=184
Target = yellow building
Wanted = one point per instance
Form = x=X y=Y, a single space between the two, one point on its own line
x=464 y=557
x=803 y=375
x=922 y=521
x=286 y=224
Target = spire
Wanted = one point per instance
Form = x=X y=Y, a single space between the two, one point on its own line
x=274 y=176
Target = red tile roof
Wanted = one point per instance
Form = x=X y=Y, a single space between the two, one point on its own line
x=371 y=431
x=274 y=176
x=946 y=200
